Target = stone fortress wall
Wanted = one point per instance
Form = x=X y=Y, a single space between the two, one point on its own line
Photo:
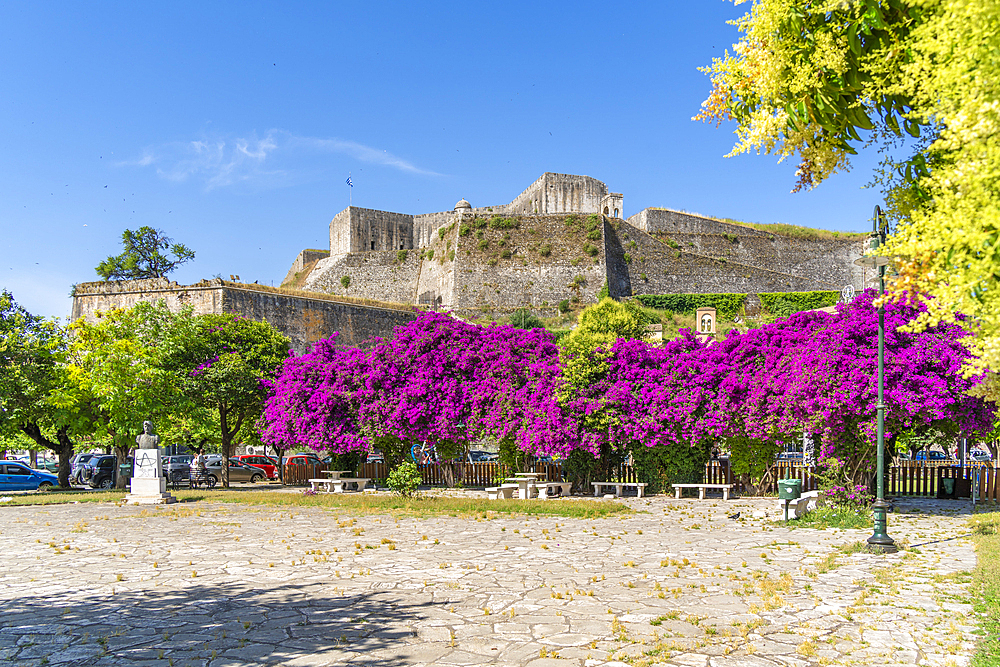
x=553 y=242
x=655 y=251
x=829 y=261
x=304 y=318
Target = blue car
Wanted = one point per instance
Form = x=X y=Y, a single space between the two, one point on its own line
x=16 y=476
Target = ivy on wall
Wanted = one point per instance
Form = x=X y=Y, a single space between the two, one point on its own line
x=727 y=306
x=783 y=304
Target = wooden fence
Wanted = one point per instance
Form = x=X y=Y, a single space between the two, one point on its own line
x=909 y=478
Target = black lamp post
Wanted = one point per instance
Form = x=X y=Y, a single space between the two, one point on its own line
x=880 y=537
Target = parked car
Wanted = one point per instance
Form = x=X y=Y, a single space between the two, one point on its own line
x=479 y=455
x=375 y=457
x=48 y=465
x=980 y=456
x=789 y=457
x=16 y=476
x=76 y=465
x=301 y=460
x=238 y=472
x=932 y=455
x=101 y=471
x=178 y=465
x=265 y=463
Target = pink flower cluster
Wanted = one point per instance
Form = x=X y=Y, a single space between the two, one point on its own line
x=443 y=380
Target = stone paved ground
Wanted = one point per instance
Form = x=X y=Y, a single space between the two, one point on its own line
x=678 y=584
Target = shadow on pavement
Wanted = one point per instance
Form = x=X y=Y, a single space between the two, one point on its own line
x=308 y=623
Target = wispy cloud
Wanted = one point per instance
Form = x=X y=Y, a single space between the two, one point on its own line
x=271 y=159
x=361 y=152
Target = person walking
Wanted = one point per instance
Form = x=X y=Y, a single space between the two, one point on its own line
x=198 y=472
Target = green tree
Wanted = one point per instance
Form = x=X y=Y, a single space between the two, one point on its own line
x=823 y=80
x=117 y=377
x=32 y=350
x=224 y=369
x=584 y=354
x=145 y=255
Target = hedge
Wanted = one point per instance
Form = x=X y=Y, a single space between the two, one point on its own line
x=786 y=303
x=727 y=306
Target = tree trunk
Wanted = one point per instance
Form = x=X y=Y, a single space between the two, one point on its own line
x=63 y=447
x=65 y=454
x=121 y=457
x=447 y=473
x=226 y=441
x=228 y=432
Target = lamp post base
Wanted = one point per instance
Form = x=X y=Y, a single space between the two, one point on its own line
x=880 y=539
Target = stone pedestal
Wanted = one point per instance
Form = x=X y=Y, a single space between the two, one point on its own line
x=149 y=486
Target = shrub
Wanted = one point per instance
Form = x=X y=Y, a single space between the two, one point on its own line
x=402 y=255
x=522 y=318
x=464 y=230
x=591 y=250
x=451 y=256
x=564 y=306
x=603 y=292
x=628 y=258
x=506 y=253
x=545 y=250
x=442 y=232
x=732 y=238
x=404 y=479
x=430 y=253
x=663 y=465
x=483 y=244
x=500 y=222
x=594 y=234
x=345 y=281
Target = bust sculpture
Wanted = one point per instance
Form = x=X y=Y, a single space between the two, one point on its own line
x=147 y=439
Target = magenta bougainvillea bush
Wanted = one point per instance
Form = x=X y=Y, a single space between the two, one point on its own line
x=446 y=381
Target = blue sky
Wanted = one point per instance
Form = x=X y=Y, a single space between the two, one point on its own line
x=233 y=126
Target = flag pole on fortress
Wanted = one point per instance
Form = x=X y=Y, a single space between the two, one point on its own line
x=350 y=183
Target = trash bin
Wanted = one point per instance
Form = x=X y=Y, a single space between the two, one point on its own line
x=789 y=489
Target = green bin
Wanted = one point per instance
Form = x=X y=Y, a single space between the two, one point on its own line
x=789 y=489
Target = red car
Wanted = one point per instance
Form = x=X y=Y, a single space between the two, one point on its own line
x=265 y=463
x=302 y=460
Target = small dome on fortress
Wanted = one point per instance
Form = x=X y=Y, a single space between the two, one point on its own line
x=462 y=204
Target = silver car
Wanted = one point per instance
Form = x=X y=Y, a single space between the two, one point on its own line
x=238 y=472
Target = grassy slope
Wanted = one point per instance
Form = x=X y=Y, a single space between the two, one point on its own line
x=986 y=588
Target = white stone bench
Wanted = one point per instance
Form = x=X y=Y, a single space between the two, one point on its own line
x=701 y=489
x=551 y=489
x=619 y=486
x=504 y=491
x=338 y=485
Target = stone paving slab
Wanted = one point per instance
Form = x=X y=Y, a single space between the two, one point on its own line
x=678 y=584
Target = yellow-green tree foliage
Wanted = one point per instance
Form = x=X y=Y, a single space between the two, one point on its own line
x=920 y=77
